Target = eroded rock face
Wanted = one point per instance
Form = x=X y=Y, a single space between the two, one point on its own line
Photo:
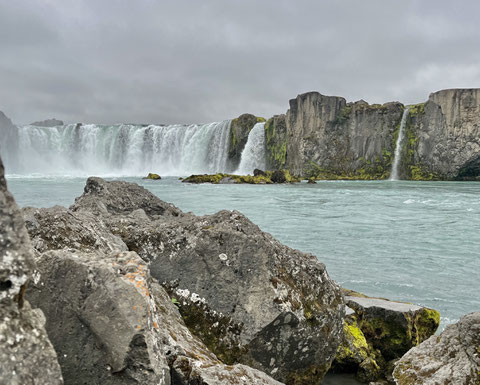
x=58 y=228
x=250 y=298
x=446 y=131
x=26 y=354
x=354 y=140
x=453 y=357
x=111 y=323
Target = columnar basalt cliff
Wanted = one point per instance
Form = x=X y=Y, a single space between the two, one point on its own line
x=444 y=137
x=326 y=137
x=330 y=138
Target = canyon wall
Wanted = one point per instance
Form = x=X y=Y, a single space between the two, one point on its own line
x=327 y=138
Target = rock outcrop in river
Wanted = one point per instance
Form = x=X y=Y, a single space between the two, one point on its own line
x=26 y=354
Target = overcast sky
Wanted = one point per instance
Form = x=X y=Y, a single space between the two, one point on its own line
x=159 y=61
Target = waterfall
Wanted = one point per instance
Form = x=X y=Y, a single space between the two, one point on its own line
x=123 y=149
x=398 y=146
x=253 y=155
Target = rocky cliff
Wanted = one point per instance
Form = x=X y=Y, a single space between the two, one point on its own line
x=444 y=137
x=330 y=138
x=327 y=138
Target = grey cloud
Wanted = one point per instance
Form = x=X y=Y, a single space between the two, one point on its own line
x=197 y=61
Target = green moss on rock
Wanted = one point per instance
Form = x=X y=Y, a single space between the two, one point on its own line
x=276 y=146
x=268 y=177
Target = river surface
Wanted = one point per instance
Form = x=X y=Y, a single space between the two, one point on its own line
x=412 y=241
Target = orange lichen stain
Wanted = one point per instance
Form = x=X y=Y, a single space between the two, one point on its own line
x=139 y=327
x=134 y=308
x=155 y=325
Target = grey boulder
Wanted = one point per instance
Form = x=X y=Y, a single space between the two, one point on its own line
x=453 y=357
x=26 y=355
x=111 y=323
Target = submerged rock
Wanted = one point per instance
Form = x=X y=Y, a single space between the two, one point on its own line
x=26 y=355
x=453 y=357
x=48 y=123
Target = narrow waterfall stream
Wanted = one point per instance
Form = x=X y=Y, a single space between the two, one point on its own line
x=398 y=146
x=253 y=155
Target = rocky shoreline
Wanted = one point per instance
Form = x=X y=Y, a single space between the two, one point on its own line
x=132 y=290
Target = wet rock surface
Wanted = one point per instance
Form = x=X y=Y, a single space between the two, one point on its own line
x=453 y=357
x=26 y=355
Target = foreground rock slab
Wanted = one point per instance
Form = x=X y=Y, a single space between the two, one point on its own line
x=26 y=355
x=111 y=323
x=453 y=357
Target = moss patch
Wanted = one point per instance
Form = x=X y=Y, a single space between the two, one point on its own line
x=276 y=147
x=268 y=178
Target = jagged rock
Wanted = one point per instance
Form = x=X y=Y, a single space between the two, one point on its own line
x=453 y=357
x=110 y=198
x=48 y=123
x=251 y=299
x=333 y=139
x=9 y=143
x=26 y=355
x=261 y=303
x=377 y=331
x=58 y=228
x=444 y=136
x=239 y=130
x=111 y=323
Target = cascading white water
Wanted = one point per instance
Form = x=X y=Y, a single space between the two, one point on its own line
x=398 y=146
x=123 y=149
x=253 y=155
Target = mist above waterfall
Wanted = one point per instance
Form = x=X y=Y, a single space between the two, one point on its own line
x=122 y=149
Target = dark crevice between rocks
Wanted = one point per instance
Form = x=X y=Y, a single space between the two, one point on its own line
x=5 y=285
